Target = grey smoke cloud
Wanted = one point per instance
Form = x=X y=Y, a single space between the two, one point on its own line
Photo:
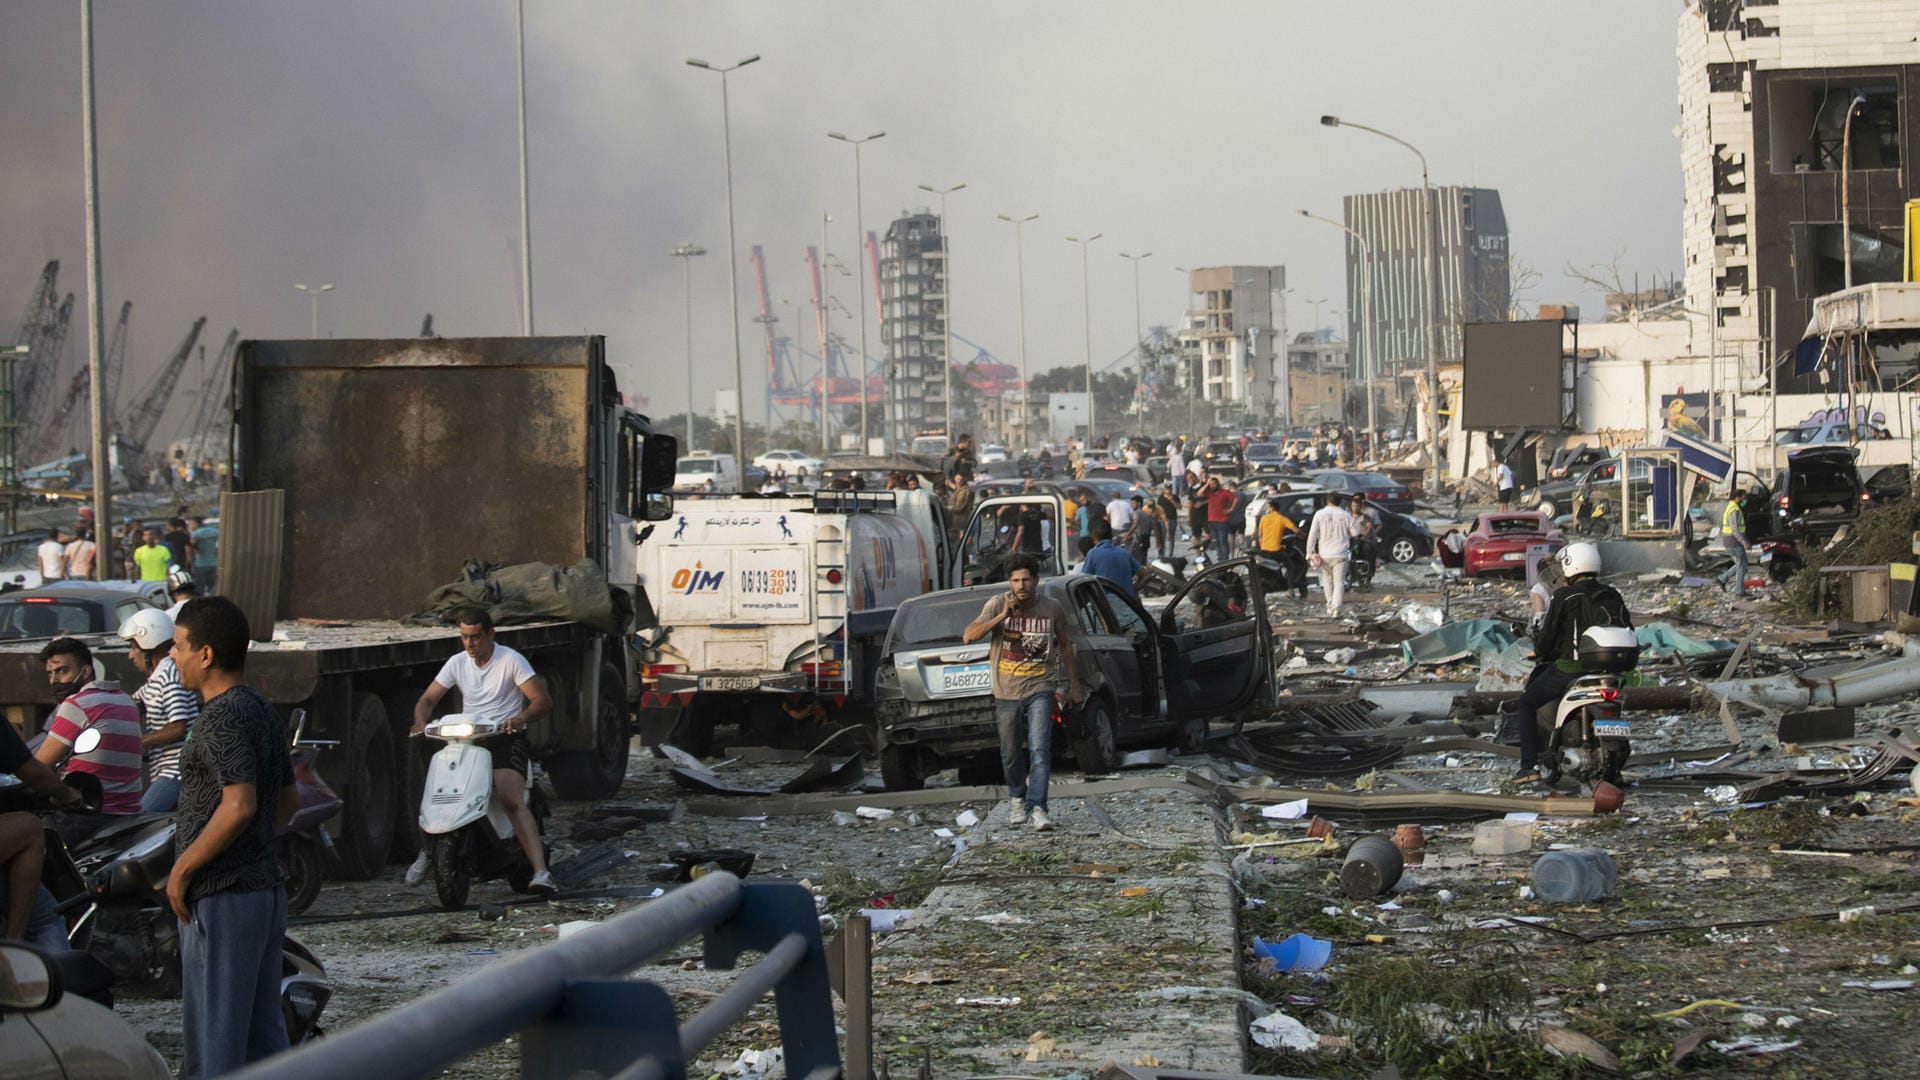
x=248 y=145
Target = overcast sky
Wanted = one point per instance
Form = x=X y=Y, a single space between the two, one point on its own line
x=249 y=144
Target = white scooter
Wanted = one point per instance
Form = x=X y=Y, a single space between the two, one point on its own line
x=1589 y=737
x=469 y=836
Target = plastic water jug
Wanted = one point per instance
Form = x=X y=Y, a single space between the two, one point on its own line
x=1573 y=876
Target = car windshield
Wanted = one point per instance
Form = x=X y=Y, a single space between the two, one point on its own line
x=37 y=619
x=1502 y=526
x=938 y=620
x=698 y=465
x=1263 y=450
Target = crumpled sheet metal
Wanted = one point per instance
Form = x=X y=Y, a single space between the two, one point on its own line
x=1459 y=640
x=1861 y=684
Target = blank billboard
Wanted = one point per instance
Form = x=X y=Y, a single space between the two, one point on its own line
x=1510 y=376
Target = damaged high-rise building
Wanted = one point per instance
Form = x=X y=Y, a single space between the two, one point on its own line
x=913 y=307
x=1779 y=99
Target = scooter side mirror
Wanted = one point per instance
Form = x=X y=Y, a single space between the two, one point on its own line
x=87 y=741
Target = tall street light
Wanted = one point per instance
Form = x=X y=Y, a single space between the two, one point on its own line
x=526 y=213
x=96 y=371
x=1368 y=360
x=1433 y=297
x=733 y=259
x=860 y=241
x=685 y=253
x=1139 y=343
x=313 y=294
x=1086 y=323
x=1020 y=270
x=946 y=318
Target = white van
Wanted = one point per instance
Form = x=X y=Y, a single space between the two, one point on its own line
x=707 y=472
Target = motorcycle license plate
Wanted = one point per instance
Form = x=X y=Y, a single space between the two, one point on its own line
x=1610 y=729
x=964 y=678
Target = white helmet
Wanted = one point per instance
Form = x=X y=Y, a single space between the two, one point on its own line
x=150 y=629
x=1577 y=559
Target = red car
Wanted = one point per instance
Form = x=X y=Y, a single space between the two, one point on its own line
x=1499 y=541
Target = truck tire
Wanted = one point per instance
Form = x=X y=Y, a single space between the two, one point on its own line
x=693 y=732
x=367 y=819
x=902 y=769
x=1094 y=748
x=411 y=756
x=586 y=775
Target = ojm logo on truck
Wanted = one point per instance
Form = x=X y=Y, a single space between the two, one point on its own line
x=687 y=582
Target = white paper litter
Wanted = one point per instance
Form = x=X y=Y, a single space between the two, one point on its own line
x=1879 y=984
x=966 y=819
x=996 y=1002
x=944 y=834
x=873 y=813
x=1278 y=1031
x=1001 y=918
x=1286 y=810
x=886 y=920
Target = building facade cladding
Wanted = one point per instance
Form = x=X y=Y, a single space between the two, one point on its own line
x=913 y=312
x=1764 y=89
x=1475 y=284
x=1231 y=329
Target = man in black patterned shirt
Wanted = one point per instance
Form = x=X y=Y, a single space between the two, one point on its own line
x=236 y=791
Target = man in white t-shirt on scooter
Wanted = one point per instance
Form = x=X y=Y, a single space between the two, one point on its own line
x=495 y=683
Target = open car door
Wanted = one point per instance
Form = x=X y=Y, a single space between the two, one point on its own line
x=1007 y=525
x=1218 y=645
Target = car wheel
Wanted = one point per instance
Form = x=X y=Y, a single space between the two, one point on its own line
x=801 y=472
x=901 y=768
x=1546 y=507
x=1094 y=747
x=1403 y=550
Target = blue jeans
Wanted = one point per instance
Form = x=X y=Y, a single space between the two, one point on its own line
x=161 y=796
x=1028 y=767
x=1736 y=575
x=46 y=930
x=1222 y=539
x=230 y=981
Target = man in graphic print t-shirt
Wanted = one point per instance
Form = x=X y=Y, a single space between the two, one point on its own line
x=1032 y=656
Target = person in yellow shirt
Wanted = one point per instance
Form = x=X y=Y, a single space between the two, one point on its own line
x=1274 y=526
x=152 y=557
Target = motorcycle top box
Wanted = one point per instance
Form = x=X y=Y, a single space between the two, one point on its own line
x=1610 y=649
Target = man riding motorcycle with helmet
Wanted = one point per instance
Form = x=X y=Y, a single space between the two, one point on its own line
x=1584 y=601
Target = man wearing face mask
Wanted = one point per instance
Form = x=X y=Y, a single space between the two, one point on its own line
x=99 y=704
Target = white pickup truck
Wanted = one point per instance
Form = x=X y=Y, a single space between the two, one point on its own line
x=770 y=606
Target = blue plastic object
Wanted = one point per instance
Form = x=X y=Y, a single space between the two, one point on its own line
x=1297 y=953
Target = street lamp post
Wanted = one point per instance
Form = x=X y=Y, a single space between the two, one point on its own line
x=946 y=316
x=733 y=259
x=1020 y=271
x=313 y=294
x=1846 y=203
x=685 y=253
x=860 y=240
x=96 y=371
x=1086 y=323
x=1139 y=335
x=526 y=212
x=1369 y=361
x=1433 y=298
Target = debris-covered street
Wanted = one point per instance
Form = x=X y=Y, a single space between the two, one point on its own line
x=1763 y=918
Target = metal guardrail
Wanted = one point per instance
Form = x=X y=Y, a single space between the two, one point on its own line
x=578 y=1013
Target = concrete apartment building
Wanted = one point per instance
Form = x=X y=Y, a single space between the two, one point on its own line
x=1474 y=284
x=913 y=311
x=1766 y=87
x=1230 y=339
